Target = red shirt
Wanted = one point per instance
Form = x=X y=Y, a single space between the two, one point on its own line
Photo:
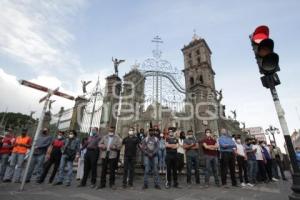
x=209 y=141
x=7 y=145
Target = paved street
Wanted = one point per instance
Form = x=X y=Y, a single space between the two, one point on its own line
x=272 y=191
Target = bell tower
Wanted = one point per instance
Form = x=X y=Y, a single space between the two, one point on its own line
x=199 y=83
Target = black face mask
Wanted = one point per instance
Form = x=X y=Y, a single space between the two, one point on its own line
x=44 y=132
x=182 y=136
x=151 y=134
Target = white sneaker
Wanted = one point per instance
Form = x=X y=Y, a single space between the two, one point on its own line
x=250 y=185
x=243 y=184
x=274 y=179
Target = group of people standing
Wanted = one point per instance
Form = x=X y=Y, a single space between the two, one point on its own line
x=161 y=153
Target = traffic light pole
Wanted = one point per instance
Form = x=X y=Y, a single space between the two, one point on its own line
x=291 y=151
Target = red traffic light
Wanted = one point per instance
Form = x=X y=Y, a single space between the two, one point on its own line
x=260 y=33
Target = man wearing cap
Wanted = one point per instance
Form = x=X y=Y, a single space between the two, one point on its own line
x=39 y=153
x=150 y=147
x=21 y=146
x=6 y=147
x=171 y=158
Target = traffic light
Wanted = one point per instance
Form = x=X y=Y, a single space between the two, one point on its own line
x=267 y=59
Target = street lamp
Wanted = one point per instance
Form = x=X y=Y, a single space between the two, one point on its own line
x=271 y=131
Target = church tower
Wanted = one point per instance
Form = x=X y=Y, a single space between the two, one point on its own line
x=200 y=85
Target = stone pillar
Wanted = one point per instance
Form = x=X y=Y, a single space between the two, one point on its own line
x=80 y=103
x=110 y=103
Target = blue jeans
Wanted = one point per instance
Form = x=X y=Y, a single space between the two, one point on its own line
x=36 y=165
x=61 y=173
x=252 y=171
x=211 y=167
x=151 y=163
x=162 y=159
x=3 y=164
x=15 y=167
x=192 y=162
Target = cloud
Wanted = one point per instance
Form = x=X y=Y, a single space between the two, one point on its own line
x=18 y=98
x=35 y=32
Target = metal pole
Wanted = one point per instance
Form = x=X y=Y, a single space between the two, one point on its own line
x=34 y=141
x=273 y=134
x=92 y=117
x=291 y=151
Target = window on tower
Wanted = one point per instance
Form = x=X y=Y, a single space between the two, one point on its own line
x=192 y=81
x=198 y=60
x=198 y=52
x=190 y=55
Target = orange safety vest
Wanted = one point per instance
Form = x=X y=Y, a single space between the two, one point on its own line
x=21 y=140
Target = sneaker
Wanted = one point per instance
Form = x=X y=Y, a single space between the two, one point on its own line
x=157 y=187
x=145 y=187
x=124 y=186
x=206 y=185
x=250 y=185
x=100 y=187
x=93 y=186
x=7 y=181
x=81 y=185
x=275 y=179
x=68 y=184
x=243 y=184
x=58 y=183
x=167 y=186
x=113 y=187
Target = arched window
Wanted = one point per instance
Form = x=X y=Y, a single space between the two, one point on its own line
x=192 y=81
x=201 y=79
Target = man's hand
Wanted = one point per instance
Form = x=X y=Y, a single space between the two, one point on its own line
x=102 y=147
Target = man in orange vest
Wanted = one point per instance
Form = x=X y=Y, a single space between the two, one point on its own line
x=21 y=146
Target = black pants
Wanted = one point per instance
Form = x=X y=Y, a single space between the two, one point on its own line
x=112 y=167
x=269 y=169
x=180 y=162
x=228 y=161
x=243 y=169
x=171 y=161
x=281 y=167
x=90 y=164
x=129 y=164
x=53 y=160
x=261 y=175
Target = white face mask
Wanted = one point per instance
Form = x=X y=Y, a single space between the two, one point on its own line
x=59 y=137
x=71 y=136
x=110 y=133
x=130 y=133
x=238 y=141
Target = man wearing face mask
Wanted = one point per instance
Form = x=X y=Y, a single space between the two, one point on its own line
x=150 y=147
x=191 y=147
x=91 y=157
x=171 y=158
x=54 y=158
x=242 y=162
x=131 y=143
x=40 y=149
x=7 y=143
x=210 y=148
x=180 y=152
x=227 y=148
x=109 y=145
x=21 y=146
x=70 y=151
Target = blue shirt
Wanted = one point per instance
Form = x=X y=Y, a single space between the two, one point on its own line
x=226 y=144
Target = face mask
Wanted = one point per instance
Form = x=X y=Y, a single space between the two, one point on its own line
x=44 y=132
x=151 y=134
x=23 y=134
x=189 y=136
x=93 y=133
x=130 y=133
x=238 y=141
x=111 y=134
x=59 y=137
x=71 y=136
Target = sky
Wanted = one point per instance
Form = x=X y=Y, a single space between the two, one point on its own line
x=60 y=42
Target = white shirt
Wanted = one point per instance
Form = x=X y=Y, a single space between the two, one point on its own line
x=180 y=148
x=258 y=154
x=240 y=149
